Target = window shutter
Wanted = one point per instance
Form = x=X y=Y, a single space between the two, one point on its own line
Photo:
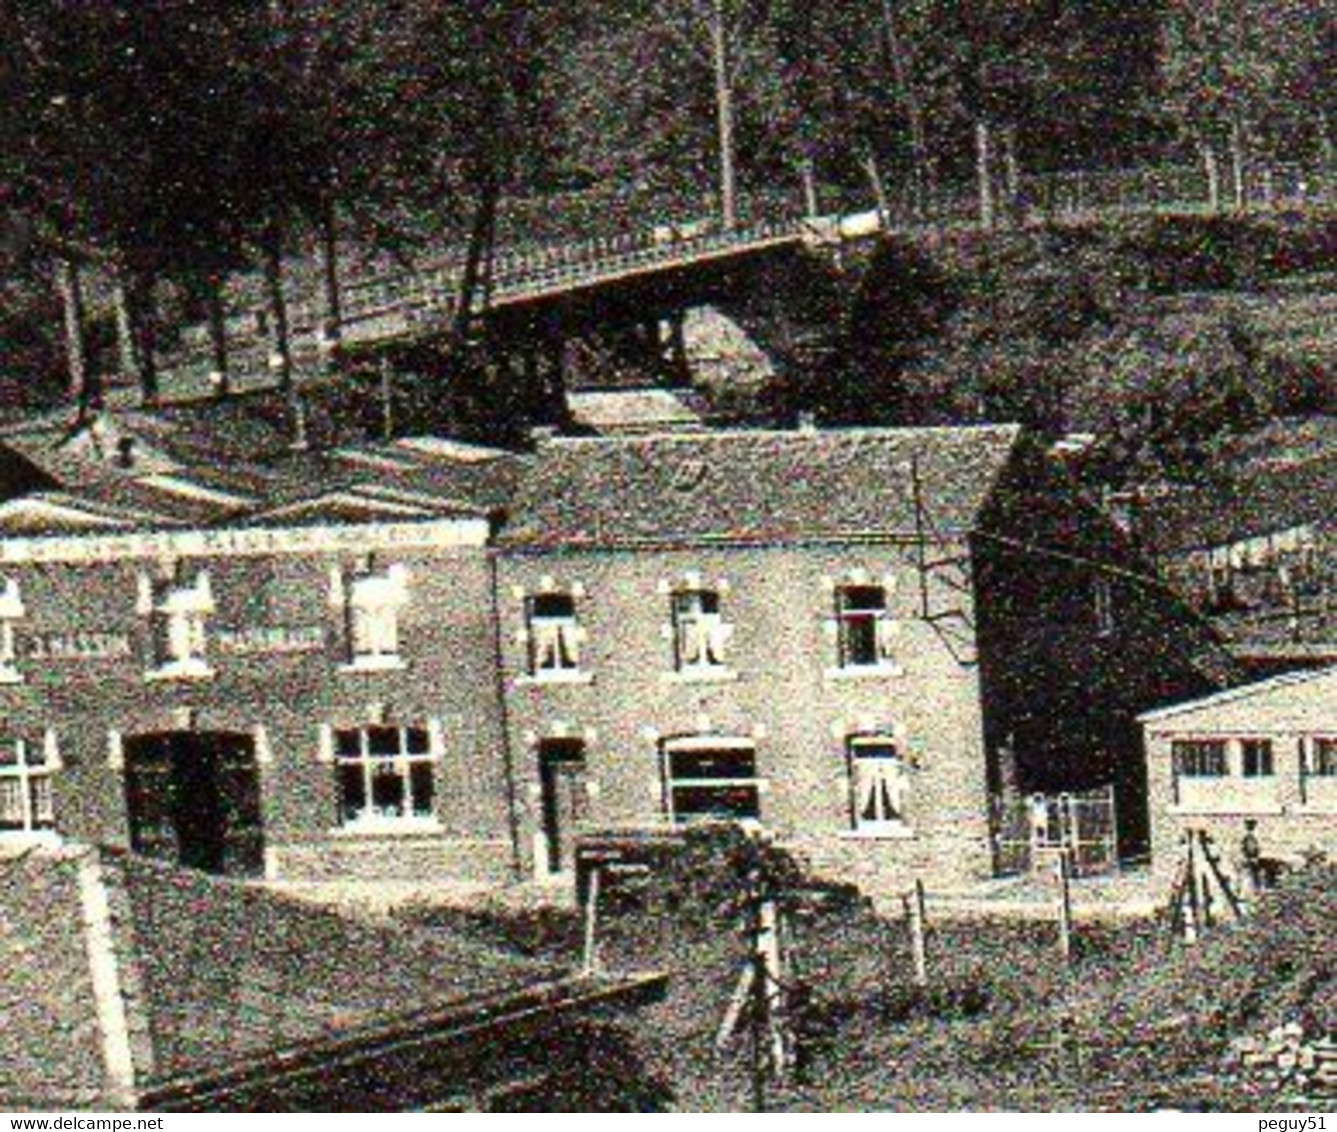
x=326 y=754
x=436 y=738
x=115 y=751
x=51 y=750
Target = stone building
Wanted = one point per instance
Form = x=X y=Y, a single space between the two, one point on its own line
x=279 y=665
x=432 y=661
x=863 y=640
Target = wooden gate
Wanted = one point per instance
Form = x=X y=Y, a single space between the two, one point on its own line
x=1028 y=829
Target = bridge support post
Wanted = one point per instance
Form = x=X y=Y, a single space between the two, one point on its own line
x=680 y=370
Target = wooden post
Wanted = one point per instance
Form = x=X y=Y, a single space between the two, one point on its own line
x=1191 y=924
x=590 y=963
x=1062 y=872
x=387 y=391
x=915 y=917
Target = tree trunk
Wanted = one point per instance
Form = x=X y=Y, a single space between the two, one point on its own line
x=217 y=321
x=914 y=112
x=481 y=238
x=1237 y=165
x=725 y=116
x=1011 y=172
x=875 y=182
x=144 y=324
x=809 y=175
x=1213 y=174
x=280 y=358
x=127 y=347
x=83 y=389
x=984 y=172
x=332 y=327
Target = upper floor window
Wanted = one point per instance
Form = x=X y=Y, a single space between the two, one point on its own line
x=1256 y=758
x=1199 y=758
x=863 y=626
x=25 y=786
x=11 y=613
x=372 y=602
x=554 y=634
x=178 y=613
x=699 y=632
x=879 y=783
x=385 y=776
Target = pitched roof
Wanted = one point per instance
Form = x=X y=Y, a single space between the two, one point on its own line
x=219 y=465
x=1309 y=689
x=756 y=486
x=1262 y=501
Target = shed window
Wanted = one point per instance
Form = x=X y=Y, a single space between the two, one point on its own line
x=1256 y=758
x=1323 y=762
x=1199 y=758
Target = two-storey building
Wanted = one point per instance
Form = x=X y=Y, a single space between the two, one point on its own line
x=250 y=661
x=861 y=639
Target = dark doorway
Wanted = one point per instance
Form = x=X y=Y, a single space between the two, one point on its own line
x=562 y=786
x=194 y=799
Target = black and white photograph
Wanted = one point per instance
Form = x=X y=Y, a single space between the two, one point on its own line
x=668 y=556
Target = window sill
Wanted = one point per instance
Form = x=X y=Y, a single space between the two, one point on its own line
x=864 y=672
x=24 y=838
x=189 y=670
x=879 y=833
x=388 y=827
x=570 y=676
x=375 y=664
x=1242 y=808
x=719 y=674
x=1311 y=810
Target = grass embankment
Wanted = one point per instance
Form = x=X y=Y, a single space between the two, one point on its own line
x=1138 y=1021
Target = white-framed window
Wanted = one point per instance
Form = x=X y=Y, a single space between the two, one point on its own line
x=372 y=605
x=711 y=779
x=700 y=634
x=554 y=634
x=879 y=783
x=1323 y=756
x=178 y=613
x=11 y=613
x=1199 y=758
x=386 y=776
x=863 y=626
x=26 y=770
x=1256 y=758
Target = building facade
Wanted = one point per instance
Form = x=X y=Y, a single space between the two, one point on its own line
x=300 y=688
x=425 y=661
x=1264 y=752
x=855 y=638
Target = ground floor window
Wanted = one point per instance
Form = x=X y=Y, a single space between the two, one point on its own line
x=386 y=775
x=711 y=781
x=879 y=783
x=25 y=788
x=1199 y=758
